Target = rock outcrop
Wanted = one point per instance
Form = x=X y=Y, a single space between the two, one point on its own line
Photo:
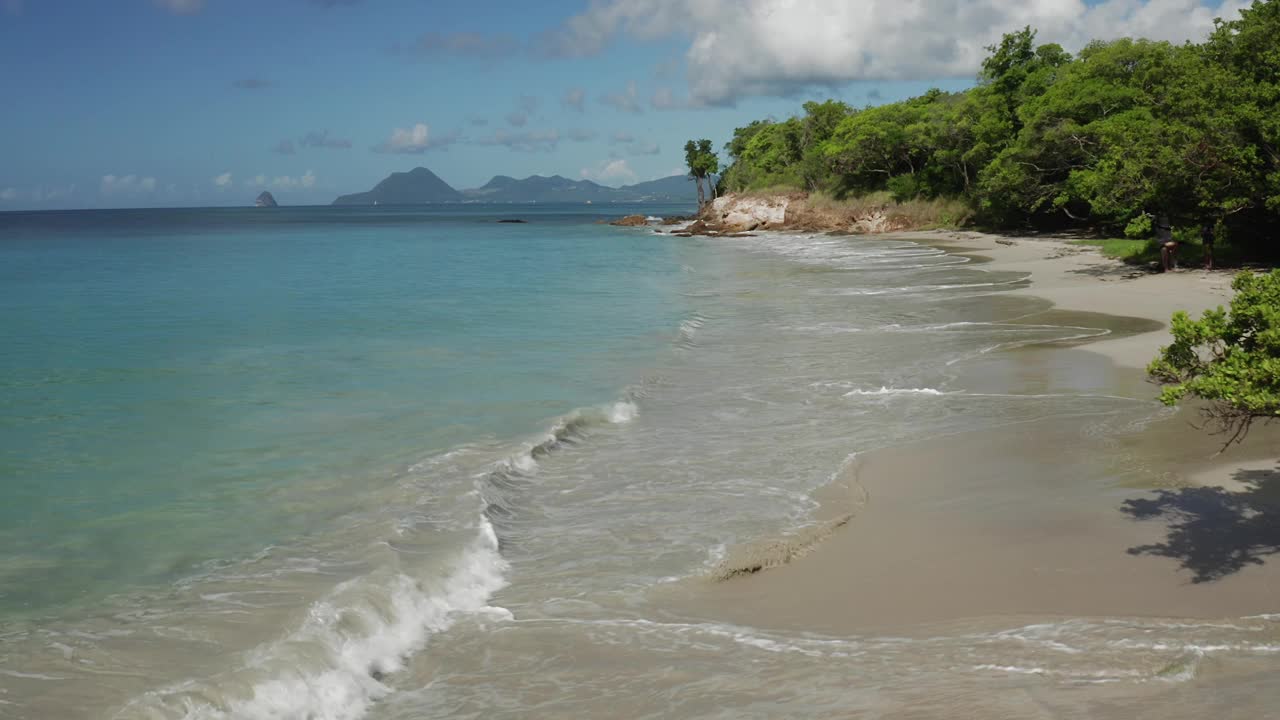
x=733 y=213
x=265 y=199
x=631 y=221
x=736 y=215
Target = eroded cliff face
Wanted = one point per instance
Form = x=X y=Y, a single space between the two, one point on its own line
x=739 y=213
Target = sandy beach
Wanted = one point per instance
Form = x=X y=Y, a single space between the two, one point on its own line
x=1000 y=523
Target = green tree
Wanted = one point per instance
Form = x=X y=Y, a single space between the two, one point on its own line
x=1229 y=357
x=703 y=165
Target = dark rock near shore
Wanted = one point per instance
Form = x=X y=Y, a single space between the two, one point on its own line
x=513 y=221
x=265 y=199
x=631 y=221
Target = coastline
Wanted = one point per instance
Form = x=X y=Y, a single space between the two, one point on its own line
x=988 y=524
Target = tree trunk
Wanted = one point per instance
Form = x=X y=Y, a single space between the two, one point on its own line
x=701 y=197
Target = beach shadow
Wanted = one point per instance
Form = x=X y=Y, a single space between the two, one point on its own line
x=1215 y=532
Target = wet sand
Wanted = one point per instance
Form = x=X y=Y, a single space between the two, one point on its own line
x=1059 y=517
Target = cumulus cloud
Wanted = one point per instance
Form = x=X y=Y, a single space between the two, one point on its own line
x=252 y=84
x=740 y=48
x=626 y=101
x=180 y=7
x=574 y=99
x=581 y=134
x=530 y=141
x=414 y=141
x=287 y=182
x=633 y=145
x=517 y=119
x=284 y=147
x=644 y=148
x=223 y=180
x=465 y=45
x=126 y=185
x=610 y=171
x=37 y=194
x=664 y=99
x=321 y=139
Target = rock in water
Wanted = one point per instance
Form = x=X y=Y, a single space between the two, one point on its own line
x=631 y=221
x=266 y=200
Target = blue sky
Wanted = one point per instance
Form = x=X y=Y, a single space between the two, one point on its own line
x=206 y=102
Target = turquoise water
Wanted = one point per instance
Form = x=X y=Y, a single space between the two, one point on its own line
x=348 y=464
x=188 y=386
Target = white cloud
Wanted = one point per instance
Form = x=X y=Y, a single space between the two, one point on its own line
x=531 y=141
x=37 y=194
x=414 y=141
x=222 y=180
x=610 y=171
x=739 y=48
x=126 y=185
x=288 y=182
x=664 y=99
x=573 y=99
x=641 y=147
x=626 y=101
x=181 y=7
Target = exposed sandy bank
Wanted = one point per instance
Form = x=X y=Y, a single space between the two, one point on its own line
x=1079 y=278
x=1038 y=520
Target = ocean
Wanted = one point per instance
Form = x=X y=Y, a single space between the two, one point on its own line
x=336 y=463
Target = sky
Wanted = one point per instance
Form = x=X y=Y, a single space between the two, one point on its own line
x=151 y=103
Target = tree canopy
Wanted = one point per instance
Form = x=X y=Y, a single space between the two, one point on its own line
x=703 y=164
x=1125 y=131
x=1229 y=357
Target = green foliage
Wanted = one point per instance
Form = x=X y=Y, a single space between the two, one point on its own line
x=703 y=164
x=1127 y=130
x=1130 y=251
x=1228 y=357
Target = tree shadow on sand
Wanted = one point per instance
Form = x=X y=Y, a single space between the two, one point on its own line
x=1215 y=532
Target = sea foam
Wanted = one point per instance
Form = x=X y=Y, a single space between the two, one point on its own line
x=333 y=666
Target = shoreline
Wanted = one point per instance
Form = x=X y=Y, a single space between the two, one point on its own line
x=957 y=543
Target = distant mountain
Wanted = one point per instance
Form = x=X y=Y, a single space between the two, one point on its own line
x=537 y=188
x=420 y=185
x=415 y=187
x=265 y=199
x=675 y=188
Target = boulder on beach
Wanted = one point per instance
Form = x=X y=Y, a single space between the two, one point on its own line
x=265 y=199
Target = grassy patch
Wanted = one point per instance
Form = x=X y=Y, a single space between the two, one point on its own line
x=1130 y=251
x=918 y=214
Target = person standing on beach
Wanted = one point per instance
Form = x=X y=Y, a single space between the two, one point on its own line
x=1206 y=237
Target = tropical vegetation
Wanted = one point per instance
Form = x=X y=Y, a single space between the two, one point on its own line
x=1231 y=358
x=1113 y=138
